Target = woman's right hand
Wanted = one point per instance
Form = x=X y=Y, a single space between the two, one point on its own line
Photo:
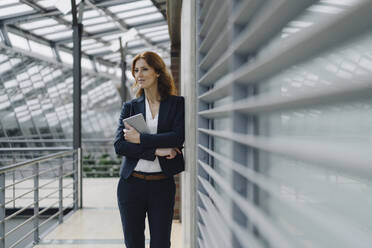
x=168 y=153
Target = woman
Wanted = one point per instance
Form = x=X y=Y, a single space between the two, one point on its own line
x=146 y=184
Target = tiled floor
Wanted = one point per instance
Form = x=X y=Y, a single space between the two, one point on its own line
x=97 y=225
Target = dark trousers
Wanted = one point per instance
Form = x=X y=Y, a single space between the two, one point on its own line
x=136 y=197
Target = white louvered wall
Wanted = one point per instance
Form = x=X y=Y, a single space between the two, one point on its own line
x=284 y=123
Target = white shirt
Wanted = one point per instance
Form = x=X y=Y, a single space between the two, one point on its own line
x=146 y=165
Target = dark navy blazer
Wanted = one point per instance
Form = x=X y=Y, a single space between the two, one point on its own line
x=170 y=134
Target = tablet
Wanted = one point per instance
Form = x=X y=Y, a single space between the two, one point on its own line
x=138 y=122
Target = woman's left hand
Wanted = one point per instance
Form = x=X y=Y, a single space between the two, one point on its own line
x=130 y=134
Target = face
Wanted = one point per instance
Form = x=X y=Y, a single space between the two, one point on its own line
x=145 y=75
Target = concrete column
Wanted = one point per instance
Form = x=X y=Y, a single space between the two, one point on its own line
x=175 y=68
x=188 y=89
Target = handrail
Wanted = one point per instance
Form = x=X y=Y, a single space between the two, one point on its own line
x=51 y=140
x=33 y=149
x=7 y=168
x=38 y=188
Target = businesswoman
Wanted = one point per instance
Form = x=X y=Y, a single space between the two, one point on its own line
x=146 y=184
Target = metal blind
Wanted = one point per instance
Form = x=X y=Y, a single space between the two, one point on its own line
x=284 y=123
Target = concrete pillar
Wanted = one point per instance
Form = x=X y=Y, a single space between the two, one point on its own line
x=175 y=68
x=188 y=89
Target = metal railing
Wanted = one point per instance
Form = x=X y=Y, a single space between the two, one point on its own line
x=37 y=196
x=95 y=164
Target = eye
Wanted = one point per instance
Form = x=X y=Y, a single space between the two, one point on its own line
x=135 y=70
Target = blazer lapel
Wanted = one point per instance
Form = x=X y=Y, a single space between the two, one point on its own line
x=163 y=113
x=139 y=107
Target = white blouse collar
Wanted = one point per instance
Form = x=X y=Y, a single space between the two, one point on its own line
x=148 y=111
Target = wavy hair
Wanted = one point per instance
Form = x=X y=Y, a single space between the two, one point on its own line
x=166 y=84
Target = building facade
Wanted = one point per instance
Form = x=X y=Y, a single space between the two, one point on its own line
x=279 y=123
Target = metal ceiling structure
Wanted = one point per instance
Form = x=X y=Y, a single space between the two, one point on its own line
x=141 y=23
x=36 y=63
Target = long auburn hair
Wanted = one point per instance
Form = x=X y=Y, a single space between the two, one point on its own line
x=166 y=84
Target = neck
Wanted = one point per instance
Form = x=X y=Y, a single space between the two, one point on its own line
x=152 y=95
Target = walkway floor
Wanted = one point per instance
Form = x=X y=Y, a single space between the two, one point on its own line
x=97 y=225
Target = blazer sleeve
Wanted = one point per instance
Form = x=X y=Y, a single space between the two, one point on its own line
x=174 y=138
x=125 y=148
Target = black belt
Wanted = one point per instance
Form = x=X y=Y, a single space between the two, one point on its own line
x=159 y=176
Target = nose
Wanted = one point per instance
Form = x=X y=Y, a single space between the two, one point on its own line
x=139 y=72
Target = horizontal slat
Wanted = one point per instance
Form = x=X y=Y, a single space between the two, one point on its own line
x=222 y=205
x=214 y=212
x=212 y=229
x=244 y=12
x=205 y=235
x=201 y=243
x=219 y=70
x=219 y=91
x=273 y=235
x=330 y=223
x=257 y=33
x=355 y=160
x=219 y=46
x=343 y=91
x=204 y=9
x=270 y=22
x=215 y=219
x=207 y=232
x=305 y=45
x=210 y=18
x=218 y=112
x=215 y=30
x=242 y=235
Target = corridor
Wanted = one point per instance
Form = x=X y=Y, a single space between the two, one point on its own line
x=97 y=225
